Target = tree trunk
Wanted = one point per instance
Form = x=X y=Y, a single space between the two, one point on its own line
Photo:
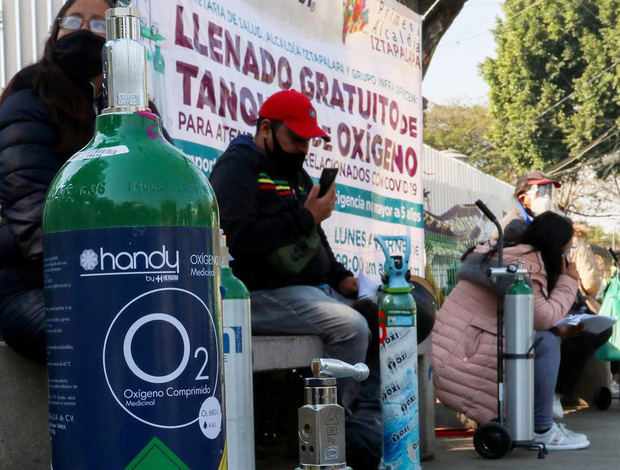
x=435 y=24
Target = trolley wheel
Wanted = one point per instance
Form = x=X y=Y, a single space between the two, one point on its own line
x=602 y=398
x=492 y=440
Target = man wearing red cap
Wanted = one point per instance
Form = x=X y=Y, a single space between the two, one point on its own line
x=533 y=196
x=271 y=214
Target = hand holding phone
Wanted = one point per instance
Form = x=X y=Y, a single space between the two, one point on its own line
x=328 y=176
x=318 y=202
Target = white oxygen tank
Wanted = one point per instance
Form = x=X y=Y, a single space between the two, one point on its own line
x=237 y=336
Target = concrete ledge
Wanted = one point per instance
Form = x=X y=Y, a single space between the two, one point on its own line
x=288 y=352
x=594 y=375
x=284 y=352
x=24 y=438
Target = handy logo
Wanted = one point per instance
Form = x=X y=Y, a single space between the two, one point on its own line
x=106 y=263
x=89 y=260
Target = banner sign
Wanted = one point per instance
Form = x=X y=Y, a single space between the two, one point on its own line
x=213 y=63
x=462 y=221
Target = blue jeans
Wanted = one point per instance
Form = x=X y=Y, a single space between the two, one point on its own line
x=22 y=323
x=546 y=367
x=308 y=310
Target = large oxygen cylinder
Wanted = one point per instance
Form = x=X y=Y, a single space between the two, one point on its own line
x=132 y=284
x=519 y=361
x=398 y=356
x=237 y=368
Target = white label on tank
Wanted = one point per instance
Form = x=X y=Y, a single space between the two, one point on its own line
x=102 y=152
x=210 y=418
x=128 y=99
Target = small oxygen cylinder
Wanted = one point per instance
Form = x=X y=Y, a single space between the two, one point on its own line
x=519 y=360
x=237 y=339
x=398 y=363
x=132 y=285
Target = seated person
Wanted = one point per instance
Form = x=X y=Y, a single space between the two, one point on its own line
x=577 y=350
x=271 y=213
x=465 y=332
x=588 y=267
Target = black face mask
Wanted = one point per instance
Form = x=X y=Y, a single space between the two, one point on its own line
x=289 y=163
x=79 y=55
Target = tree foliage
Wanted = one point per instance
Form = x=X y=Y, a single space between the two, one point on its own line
x=598 y=236
x=465 y=128
x=439 y=17
x=555 y=84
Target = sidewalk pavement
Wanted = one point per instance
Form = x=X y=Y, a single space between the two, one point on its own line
x=601 y=427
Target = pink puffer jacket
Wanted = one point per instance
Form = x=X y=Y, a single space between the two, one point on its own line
x=465 y=339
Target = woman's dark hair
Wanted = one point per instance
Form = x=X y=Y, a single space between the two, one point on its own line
x=68 y=102
x=549 y=233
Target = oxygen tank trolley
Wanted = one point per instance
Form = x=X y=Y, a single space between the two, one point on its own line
x=514 y=426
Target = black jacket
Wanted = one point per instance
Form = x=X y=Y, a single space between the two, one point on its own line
x=259 y=217
x=28 y=163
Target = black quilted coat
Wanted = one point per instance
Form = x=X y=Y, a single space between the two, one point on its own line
x=28 y=163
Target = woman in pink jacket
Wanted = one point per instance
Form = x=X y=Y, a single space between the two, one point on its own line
x=465 y=331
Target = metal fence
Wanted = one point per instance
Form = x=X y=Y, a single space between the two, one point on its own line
x=451 y=184
x=24 y=26
x=448 y=181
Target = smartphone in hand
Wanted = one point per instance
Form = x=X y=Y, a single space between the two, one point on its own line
x=328 y=176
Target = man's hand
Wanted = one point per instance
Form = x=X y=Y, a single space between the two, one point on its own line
x=321 y=208
x=348 y=286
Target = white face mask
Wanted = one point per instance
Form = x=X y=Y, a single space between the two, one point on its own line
x=541 y=204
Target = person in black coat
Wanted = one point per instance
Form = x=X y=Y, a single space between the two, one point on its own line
x=47 y=113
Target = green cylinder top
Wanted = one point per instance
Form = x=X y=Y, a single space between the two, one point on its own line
x=397 y=303
x=519 y=287
x=235 y=289
x=129 y=176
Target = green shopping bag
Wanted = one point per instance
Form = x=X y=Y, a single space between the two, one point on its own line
x=610 y=351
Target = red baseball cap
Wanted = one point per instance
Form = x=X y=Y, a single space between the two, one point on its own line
x=533 y=177
x=295 y=110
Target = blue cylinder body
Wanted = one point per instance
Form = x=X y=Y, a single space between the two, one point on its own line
x=399 y=381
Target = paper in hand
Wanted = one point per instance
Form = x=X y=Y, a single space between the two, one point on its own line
x=591 y=323
x=367 y=285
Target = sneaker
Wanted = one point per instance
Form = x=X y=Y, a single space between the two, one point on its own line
x=560 y=438
x=558 y=411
